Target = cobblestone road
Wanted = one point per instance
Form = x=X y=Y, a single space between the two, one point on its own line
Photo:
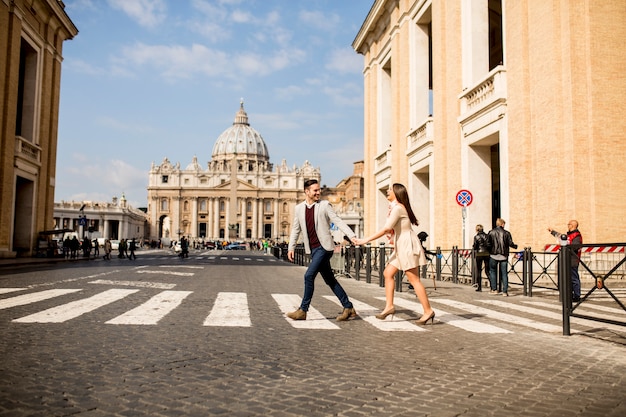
x=150 y=338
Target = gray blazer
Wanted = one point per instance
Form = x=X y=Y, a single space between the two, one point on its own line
x=324 y=216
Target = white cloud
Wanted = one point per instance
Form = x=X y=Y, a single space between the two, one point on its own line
x=345 y=60
x=291 y=91
x=148 y=13
x=111 y=178
x=180 y=62
x=319 y=20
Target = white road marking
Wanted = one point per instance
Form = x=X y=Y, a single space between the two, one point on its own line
x=367 y=313
x=75 y=308
x=180 y=274
x=8 y=290
x=24 y=299
x=469 y=325
x=496 y=315
x=230 y=310
x=182 y=266
x=582 y=310
x=314 y=319
x=140 y=284
x=152 y=310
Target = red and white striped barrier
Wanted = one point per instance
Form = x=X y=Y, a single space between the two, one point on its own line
x=589 y=249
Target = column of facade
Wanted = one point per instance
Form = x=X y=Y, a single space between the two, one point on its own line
x=216 y=218
x=276 y=228
x=107 y=228
x=261 y=221
x=226 y=219
x=209 y=218
x=175 y=224
x=155 y=207
x=255 y=220
x=244 y=217
x=194 y=217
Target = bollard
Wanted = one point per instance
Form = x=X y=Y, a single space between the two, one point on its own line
x=438 y=263
x=381 y=264
x=368 y=263
x=455 y=264
x=565 y=286
x=357 y=263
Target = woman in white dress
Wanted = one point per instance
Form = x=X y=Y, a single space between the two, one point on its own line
x=408 y=254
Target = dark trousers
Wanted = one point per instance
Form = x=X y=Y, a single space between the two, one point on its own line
x=482 y=263
x=320 y=262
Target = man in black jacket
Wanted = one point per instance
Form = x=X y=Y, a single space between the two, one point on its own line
x=500 y=241
x=481 y=250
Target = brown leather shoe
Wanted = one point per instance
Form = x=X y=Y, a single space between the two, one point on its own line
x=347 y=314
x=297 y=315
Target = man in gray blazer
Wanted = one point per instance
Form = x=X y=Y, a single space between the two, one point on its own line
x=312 y=219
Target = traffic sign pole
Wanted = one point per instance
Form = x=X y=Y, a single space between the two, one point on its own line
x=464 y=198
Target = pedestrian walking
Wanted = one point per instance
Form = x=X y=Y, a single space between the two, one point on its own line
x=131 y=247
x=312 y=220
x=107 y=249
x=408 y=254
x=500 y=241
x=481 y=256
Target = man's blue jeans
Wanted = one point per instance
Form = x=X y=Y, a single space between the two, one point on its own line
x=493 y=274
x=575 y=282
x=320 y=262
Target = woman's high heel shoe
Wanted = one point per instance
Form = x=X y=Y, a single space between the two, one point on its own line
x=424 y=320
x=383 y=316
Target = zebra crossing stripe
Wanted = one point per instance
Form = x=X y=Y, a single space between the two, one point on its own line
x=152 y=310
x=75 y=308
x=588 y=311
x=180 y=274
x=139 y=284
x=469 y=325
x=8 y=290
x=230 y=310
x=367 y=313
x=314 y=319
x=496 y=315
x=24 y=299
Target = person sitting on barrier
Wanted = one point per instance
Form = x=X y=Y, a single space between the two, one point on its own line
x=574 y=238
x=408 y=254
x=500 y=241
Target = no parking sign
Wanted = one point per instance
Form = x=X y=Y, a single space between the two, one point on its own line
x=464 y=198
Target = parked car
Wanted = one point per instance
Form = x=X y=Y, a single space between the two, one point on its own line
x=236 y=246
x=115 y=244
x=177 y=248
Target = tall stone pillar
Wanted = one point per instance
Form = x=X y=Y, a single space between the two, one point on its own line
x=194 y=217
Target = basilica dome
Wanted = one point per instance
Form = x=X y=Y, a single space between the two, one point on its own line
x=241 y=141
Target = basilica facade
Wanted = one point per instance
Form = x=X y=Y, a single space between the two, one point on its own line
x=239 y=195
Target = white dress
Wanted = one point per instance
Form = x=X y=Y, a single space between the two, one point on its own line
x=408 y=252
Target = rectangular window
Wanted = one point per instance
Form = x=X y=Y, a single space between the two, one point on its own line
x=26 y=93
x=164 y=179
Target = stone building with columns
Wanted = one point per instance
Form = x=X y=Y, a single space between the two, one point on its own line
x=32 y=34
x=239 y=195
x=114 y=220
x=518 y=102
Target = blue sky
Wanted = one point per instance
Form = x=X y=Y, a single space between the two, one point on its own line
x=149 y=79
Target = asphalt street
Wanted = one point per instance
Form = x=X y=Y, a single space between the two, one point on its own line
x=208 y=336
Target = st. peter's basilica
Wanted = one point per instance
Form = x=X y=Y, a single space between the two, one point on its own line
x=239 y=195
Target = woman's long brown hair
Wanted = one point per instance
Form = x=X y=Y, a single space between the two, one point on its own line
x=403 y=198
